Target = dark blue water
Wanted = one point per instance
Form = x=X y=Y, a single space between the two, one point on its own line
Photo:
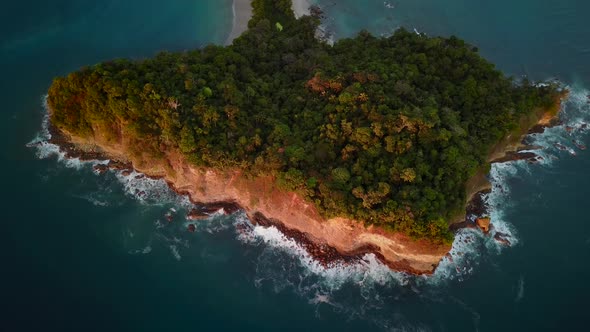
x=83 y=252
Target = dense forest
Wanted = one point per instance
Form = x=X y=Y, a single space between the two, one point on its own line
x=383 y=130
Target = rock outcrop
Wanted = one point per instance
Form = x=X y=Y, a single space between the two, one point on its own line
x=483 y=224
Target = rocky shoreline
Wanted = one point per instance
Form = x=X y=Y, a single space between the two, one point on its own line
x=349 y=241
x=477 y=214
x=323 y=253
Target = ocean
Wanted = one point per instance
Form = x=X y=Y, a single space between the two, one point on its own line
x=82 y=251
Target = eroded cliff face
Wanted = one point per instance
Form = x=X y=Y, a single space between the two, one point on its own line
x=260 y=195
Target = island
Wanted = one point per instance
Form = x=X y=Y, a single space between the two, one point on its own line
x=369 y=145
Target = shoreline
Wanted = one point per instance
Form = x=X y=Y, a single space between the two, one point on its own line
x=301 y=8
x=336 y=240
x=511 y=148
x=242 y=12
x=332 y=241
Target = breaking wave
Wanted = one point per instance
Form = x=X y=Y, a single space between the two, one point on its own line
x=561 y=141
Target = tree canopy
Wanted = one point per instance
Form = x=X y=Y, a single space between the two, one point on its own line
x=383 y=130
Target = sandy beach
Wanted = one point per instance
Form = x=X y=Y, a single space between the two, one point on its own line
x=301 y=7
x=242 y=12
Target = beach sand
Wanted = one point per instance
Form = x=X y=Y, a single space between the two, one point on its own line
x=301 y=7
x=243 y=12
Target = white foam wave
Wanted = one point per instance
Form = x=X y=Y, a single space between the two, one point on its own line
x=499 y=199
x=45 y=149
x=556 y=142
x=95 y=200
x=461 y=259
x=146 y=250
x=553 y=141
x=175 y=253
x=145 y=189
x=368 y=271
x=567 y=137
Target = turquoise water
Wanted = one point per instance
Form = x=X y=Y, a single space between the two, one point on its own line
x=84 y=252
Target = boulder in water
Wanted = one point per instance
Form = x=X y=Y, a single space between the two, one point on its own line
x=579 y=145
x=483 y=224
x=195 y=214
x=502 y=239
x=100 y=168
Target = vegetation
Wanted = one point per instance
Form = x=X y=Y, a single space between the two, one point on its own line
x=382 y=130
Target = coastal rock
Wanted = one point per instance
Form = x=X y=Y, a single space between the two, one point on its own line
x=502 y=239
x=455 y=227
x=195 y=214
x=528 y=147
x=579 y=145
x=560 y=146
x=323 y=253
x=483 y=224
x=477 y=205
x=191 y=228
x=513 y=156
x=100 y=168
x=117 y=165
x=316 y=11
x=227 y=207
x=449 y=257
x=537 y=129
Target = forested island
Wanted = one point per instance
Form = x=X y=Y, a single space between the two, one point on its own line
x=385 y=131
